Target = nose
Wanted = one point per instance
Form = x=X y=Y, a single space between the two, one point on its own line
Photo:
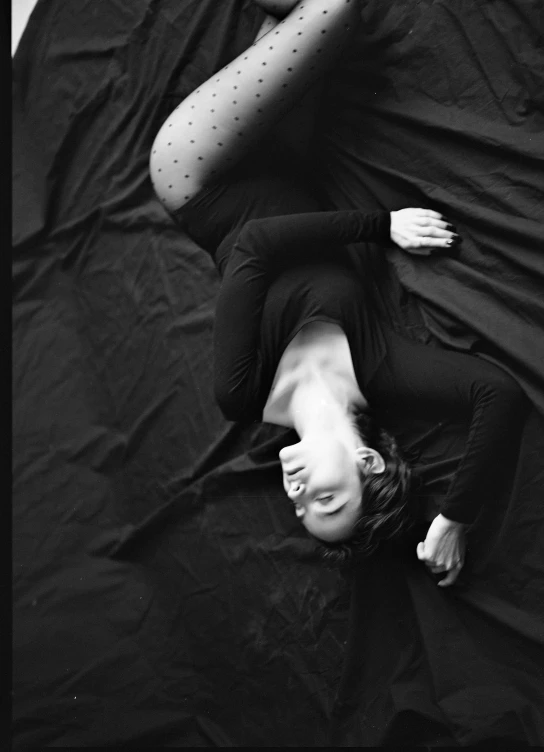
x=296 y=489
x=295 y=492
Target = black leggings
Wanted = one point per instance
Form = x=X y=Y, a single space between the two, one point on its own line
x=220 y=122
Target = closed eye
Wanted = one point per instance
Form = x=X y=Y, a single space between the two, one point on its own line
x=329 y=513
x=326 y=512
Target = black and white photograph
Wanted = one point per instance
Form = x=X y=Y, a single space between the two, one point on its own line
x=277 y=374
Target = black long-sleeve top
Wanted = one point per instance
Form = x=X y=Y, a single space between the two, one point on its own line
x=282 y=273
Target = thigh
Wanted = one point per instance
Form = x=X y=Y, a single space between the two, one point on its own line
x=231 y=112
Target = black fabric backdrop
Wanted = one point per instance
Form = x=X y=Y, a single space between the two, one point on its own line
x=164 y=593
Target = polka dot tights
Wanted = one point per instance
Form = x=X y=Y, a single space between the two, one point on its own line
x=217 y=124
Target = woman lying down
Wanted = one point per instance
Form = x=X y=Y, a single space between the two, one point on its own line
x=296 y=343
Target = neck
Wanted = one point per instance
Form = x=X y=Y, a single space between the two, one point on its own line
x=317 y=407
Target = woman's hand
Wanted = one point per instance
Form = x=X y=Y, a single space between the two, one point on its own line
x=422 y=231
x=443 y=549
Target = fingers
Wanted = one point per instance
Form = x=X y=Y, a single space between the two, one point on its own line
x=436 y=566
x=427 y=213
x=429 y=559
x=430 y=242
x=433 y=231
x=429 y=222
x=423 y=230
x=451 y=566
x=450 y=578
x=443 y=550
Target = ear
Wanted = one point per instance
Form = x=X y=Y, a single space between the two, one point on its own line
x=371 y=460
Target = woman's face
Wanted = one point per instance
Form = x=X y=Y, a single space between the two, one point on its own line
x=322 y=479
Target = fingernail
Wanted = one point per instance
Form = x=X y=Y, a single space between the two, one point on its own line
x=451 y=228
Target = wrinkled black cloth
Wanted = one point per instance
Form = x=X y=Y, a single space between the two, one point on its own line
x=164 y=593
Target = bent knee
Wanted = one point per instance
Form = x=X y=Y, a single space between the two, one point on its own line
x=174 y=172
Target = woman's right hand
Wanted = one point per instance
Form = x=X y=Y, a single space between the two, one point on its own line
x=443 y=550
x=422 y=231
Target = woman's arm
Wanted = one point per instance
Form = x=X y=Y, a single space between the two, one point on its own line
x=444 y=383
x=414 y=230
x=260 y=247
x=497 y=405
x=439 y=384
x=291 y=235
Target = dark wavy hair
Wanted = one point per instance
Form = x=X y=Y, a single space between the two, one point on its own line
x=385 y=512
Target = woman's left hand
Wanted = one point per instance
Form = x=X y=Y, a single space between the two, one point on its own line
x=422 y=231
x=443 y=549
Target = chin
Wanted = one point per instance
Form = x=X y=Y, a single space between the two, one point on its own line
x=340 y=537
